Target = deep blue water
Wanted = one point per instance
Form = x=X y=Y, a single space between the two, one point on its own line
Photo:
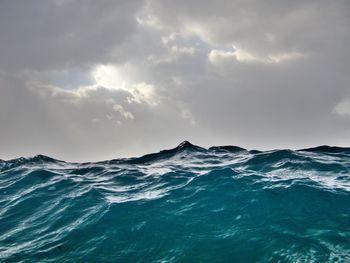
x=188 y=204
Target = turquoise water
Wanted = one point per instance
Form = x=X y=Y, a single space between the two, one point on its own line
x=188 y=204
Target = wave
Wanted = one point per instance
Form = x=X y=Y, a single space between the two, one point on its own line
x=186 y=204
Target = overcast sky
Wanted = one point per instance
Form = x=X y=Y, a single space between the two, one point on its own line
x=93 y=80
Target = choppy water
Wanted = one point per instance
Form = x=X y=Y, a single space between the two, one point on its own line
x=188 y=204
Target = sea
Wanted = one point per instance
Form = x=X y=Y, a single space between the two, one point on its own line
x=186 y=204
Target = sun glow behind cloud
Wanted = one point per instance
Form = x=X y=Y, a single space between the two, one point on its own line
x=112 y=77
x=109 y=76
x=146 y=74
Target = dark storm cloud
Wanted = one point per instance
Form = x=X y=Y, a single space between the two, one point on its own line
x=84 y=80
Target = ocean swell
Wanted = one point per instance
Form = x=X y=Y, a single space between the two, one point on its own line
x=187 y=204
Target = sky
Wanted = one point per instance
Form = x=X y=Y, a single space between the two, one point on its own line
x=88 y=80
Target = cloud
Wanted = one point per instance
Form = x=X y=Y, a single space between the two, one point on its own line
x=272 y=26
x=81 y=80
x=343 y=107
x=112 y=77
x=240 y=55
x=46 y=35
x=126 y=114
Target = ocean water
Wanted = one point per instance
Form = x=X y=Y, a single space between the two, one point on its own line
x=187 y=204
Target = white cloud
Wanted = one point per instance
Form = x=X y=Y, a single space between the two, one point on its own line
x=240 y=55
x=149 y=21
x=126 y=114
x=186 y=113
x=144 y=93
x=343 y=107
x=174 y=49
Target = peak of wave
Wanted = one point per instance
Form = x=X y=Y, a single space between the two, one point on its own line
x=30 y=160
x=185 y=146
x=327 y=149
x=42 y=158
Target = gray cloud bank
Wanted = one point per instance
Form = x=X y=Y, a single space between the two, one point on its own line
x=92 y=80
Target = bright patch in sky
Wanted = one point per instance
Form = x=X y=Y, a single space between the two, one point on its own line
x=104 y=79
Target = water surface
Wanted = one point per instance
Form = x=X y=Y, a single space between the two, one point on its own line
x=187 y=204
